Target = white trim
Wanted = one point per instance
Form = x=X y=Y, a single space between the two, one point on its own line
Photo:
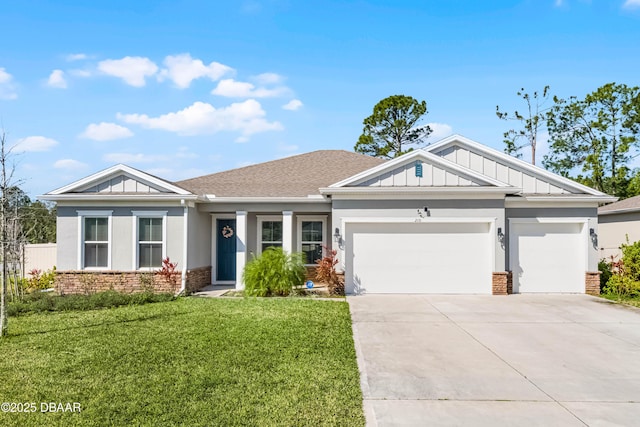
x=82 y=214
x=185 y=247
x=420 y=192
x=260 y=220
x=114 y=171
x=306 y=199
x=560 y=201
x=287 y=231
x=428 y=158
x=136 y=216
x=241 y=246
x=117 y=197
x=214 y=247
x=510 y=160
x=308 y=218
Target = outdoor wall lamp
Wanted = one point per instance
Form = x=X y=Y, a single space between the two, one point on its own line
x=336 y=235
x=592 y=232
x=500 y=235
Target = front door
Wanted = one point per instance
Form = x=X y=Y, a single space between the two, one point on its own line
x=226 y=250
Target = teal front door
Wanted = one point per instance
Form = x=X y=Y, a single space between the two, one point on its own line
x=226 y=250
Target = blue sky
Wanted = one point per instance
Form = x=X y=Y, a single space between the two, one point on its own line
x=185 y=88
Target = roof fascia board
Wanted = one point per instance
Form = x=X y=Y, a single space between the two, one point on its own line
x=430 y=158
x=213 y=199
x=515 y=162
x=109 y=198
x=419 y=190
x=114 y=170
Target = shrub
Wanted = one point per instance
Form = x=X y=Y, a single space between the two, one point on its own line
x=624 y=281
x=275 y=272
x=41 y=280
x=326 y=272
x=168 y=272
x=604 y=267
x=38 y=302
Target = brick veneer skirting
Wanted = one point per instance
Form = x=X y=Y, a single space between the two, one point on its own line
x=85 y=282
x=592 y=283
x=502 y=283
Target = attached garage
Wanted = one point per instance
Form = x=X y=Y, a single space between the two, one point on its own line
x=548 y=255
x=419 y=257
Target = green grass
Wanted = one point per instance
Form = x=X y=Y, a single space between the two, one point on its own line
x=193 y=361
x=634 y=301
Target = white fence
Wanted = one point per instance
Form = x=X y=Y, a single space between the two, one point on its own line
x=41 y=256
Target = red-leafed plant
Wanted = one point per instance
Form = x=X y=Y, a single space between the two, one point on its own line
x=326 y=271
x=168 y=271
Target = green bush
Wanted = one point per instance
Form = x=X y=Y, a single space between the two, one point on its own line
x=275 y=272
x=624 y=281
x=38 y=302
x=604 y=267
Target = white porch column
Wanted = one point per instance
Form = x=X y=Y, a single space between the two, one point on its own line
x=241 y=247
x=287 y=231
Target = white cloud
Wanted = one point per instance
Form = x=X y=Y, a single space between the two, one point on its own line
x=200 y=118
x=132 y=69
x=183 y=69
x=105 y=132
x=268 y=78
x=133 y=158
x=284 y=147
x=76 y=57
x=69 y=164
x=57 y=80
x=7 y=88
x=631 y=4
x=559 y=3
x=233 y=89
x=439 y=131
x=80 y=73
x=293 y=105
x=34 y=143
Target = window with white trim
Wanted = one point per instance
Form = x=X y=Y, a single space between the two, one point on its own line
x=311 y=237
x=94 y=232
x=150 y=231
x=269 y=232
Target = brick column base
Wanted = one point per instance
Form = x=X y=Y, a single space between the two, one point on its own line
x=592 y=283
x=502 y=283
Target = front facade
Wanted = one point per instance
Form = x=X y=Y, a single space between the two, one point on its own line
x=454 y=217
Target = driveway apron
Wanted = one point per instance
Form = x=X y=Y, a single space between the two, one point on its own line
x=526 y=360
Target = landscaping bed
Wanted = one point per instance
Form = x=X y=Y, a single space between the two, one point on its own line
x=192 y=361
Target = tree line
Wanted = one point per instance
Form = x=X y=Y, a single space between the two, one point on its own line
x=591 y=140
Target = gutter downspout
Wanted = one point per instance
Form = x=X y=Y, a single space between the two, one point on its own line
x=185 y=249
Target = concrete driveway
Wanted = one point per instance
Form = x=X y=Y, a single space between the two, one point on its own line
x=517 y=360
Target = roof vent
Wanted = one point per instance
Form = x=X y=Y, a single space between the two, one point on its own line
x=419 y=169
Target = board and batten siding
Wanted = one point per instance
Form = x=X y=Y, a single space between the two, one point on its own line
x=405 y=176
x=495 y=169
x=123 y=184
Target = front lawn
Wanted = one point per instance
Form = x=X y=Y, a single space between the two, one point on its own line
x=194 y=361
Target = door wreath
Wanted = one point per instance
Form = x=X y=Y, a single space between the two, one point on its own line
x=227 y=232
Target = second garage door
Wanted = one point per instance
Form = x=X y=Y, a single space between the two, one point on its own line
x=547 y=256
x=419 y=258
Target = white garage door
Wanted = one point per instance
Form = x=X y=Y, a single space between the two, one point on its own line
x=547 y=257
x=418 y=258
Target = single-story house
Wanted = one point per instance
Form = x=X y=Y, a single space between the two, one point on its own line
x=454 y=217
x=618 y=223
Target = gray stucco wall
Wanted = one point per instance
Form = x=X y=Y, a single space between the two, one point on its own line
x=473 y=208
x=613 y=231
x=123 y=239
x=590 y=214
x=199 y=252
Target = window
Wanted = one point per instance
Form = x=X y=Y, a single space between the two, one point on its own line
x=269 y=232
x=96 y=242
x=150 y=232
x=150 y=242
x=311 y=234
x=94 y=239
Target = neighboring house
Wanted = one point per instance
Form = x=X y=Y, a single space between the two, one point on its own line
x=618 y=223
x=454 y=217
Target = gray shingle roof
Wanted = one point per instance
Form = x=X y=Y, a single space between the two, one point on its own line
x=630 y=204
x=295 y=176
